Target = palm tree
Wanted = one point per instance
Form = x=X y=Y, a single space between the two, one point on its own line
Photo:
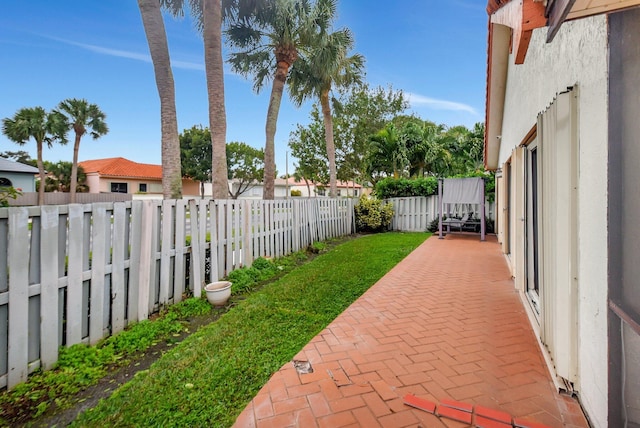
x=43 y=127
x=320 y=67
x=388 y=153
x=282 y=27
x=82 y=117
x=151 y=13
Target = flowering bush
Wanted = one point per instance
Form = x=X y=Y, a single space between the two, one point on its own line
x=372 y=215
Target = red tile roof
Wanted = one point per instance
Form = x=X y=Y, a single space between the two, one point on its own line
x=121 y=167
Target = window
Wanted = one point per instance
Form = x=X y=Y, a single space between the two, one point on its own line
x=355 y=192
x=5 y=182
x=119 y=188
x=142 y=187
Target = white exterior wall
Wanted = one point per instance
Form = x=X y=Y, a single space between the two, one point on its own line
x=577 y=55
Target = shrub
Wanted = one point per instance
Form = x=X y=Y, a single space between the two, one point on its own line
x=372 y=215
x=404 y=187
x=296 y=192
x=7 y=193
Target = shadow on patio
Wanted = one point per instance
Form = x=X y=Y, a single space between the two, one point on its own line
x=445 y=324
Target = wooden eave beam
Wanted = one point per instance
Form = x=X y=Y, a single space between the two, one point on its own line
x=522 y=16
x=557 y=12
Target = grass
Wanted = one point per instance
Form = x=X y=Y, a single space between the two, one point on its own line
x=208 y=379
x=81 y=366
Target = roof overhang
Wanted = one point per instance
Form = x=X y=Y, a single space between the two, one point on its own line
x=559 y=11
x=510 y=30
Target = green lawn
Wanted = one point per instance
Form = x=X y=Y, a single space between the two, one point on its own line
x=209 y=378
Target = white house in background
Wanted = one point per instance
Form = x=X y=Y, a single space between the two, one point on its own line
x=17 y=175
x=563 y=133
x=310 y=189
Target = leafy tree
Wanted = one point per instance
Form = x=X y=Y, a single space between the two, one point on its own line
x=195 y=155
x=7 y=193
x=44 y=128
x=282 y=27
x=60 y=175
x=358 y=113
x=151 y=13
x=324 y=64
x=19 y=156
x=307 y=145
x=245 y=165
x=82 y=117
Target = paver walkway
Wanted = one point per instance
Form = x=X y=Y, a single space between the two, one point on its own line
x=445 y=323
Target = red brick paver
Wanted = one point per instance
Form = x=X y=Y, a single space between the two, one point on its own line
x=445 y=324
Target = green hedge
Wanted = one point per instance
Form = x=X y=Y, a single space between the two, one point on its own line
x=426 y=186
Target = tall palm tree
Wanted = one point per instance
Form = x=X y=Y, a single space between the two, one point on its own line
x=388 y=154
x=43 y=127
x=324 y=64
x=208 y=16
x=282 y=27
x=151 y=13
x=82 y=117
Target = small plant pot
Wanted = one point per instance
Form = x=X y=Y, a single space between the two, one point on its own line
x=218 y=292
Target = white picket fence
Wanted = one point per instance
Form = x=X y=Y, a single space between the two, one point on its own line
x=415 y=214
x=78 y=273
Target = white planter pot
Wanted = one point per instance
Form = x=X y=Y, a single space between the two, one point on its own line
x=218 y=292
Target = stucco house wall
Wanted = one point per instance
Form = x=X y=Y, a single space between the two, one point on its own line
x=577 y=56
x=21 y=181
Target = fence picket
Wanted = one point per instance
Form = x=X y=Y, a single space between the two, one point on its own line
x=194 y=274
x=118 y=296
x=49 y=287
x=97 y=274
x=179 y=271
x=166 y=247
x=144 y=281
x=18 y=257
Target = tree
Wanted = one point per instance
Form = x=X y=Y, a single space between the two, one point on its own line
x=19 y=156
x=387 y=154
x=159 y=49
x=196 y=155
x=324 y=64
x=308 y=146
x=44 y=128
x=60 y=175
x=282 y=27
x=358 y=113
x=82 y=117
x=245 y=165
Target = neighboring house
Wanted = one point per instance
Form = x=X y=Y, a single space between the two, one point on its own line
x=563 y=134
x=345 y=189
x=17 y=175
x=120 y=175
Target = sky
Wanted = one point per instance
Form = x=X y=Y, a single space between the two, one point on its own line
x=432 y=50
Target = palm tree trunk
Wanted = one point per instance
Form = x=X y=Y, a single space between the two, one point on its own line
x=270 y=129
x=157 y=40
x=74 y=170
x=331 y=147
x=212 y=32
x=40 y=172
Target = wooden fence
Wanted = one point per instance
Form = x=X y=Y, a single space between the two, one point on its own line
x=61 y=198
x=78 y=273
x=415 y=214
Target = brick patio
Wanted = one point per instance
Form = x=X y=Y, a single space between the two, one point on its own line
x=445 y=324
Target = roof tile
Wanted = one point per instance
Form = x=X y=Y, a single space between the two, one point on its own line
x=121 y=167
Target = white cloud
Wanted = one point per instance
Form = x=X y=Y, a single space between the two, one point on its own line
x=129 y=55
x=419 y=100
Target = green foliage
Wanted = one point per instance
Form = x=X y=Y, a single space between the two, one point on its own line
x=245 y=164
x=7 y=193
x=210 y=378
x=196 y=153
x=403 y=187
x=359 y=112
x=372 y=215
x=296 y=192
x=58 y=177
x=80 y=366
